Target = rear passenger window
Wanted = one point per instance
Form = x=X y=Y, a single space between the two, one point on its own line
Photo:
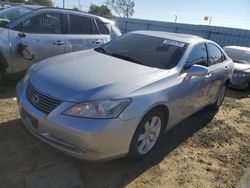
x=102 y=27
x=215 y=55
x=80 y=25
x=48 y=23
x=197 y=56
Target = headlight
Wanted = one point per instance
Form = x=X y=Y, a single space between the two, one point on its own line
x=241 y=74
x=105 y=109
x=27 y=75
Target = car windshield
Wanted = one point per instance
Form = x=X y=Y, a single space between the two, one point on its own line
x=12 y=13
x=238 y=56
x=146 y=50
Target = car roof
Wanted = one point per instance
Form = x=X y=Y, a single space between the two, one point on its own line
x=173 y=36
x=238 y=48
x=36 y=7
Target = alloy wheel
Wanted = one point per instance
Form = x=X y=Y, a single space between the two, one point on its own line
x=149 y=135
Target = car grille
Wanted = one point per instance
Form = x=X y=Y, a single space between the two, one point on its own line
x=41 y=101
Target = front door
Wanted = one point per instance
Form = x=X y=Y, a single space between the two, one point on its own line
x=190 y=95
x=42 y=35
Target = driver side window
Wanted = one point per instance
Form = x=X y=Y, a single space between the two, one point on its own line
x=47 y=23
x=198 y=56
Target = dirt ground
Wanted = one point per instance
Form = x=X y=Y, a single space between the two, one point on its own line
x=205 y=150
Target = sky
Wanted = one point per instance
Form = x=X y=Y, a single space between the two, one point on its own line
x=226 y=13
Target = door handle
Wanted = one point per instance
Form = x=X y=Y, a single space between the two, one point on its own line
x=209 y=75
x=58 y=43
x=98 y=41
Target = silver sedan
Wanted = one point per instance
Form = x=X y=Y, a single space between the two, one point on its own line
x=119 y=99
x=241 y=58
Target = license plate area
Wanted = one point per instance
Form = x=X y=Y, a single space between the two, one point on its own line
x=30 y=120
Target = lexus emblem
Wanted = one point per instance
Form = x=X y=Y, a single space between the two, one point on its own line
x=35 y=98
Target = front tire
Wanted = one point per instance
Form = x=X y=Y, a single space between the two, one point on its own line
x=220 y=98
x=2 y=78
x=147 y=134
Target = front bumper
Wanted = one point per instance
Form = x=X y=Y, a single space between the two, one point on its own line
x=90 y=139
x=240 y=82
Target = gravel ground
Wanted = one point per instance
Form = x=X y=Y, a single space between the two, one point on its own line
x=205 y=150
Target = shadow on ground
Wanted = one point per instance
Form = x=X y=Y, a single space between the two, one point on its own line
x=23 y=155
x=238 y=94
x=8 y=89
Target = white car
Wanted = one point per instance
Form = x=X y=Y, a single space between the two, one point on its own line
x=29 y=34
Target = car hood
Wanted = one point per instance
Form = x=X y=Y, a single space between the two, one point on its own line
x=90 y=75
x=241 y=67
x=2 y=29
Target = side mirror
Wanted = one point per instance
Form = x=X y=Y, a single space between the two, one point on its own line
x=196 y=70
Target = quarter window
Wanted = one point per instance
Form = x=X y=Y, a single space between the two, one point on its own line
x=49 y=23
x=102 y=27
x=215 y=55
x=197 y=56
x=80 y=25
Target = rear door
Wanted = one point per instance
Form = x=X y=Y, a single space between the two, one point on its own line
x=43 y=34
x=217 y=70
x=83 y=33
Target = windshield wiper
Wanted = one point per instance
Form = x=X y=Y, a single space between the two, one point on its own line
x=125 y=58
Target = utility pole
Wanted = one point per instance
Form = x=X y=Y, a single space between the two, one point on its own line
x=63 y=3
x=175 y=20
x=210 y=20
x=80 y=6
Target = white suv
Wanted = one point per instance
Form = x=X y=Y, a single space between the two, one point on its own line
x=29 y=34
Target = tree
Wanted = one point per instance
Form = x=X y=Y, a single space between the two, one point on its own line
x=75 y=9
x=100 y=10
x=47 y=3
x=124 y=8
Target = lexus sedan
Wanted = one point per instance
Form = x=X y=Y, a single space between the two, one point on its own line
x=120 y=98
x=29 y=34
x=241 y=58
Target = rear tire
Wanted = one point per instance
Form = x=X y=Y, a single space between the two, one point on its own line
x=2 y=76
x=147 y=135
x=220 y=98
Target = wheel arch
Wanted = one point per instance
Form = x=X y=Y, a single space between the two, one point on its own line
x=227 y=82
x=161 y=106
x=3 y=62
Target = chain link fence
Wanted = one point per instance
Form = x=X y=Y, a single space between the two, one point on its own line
x=222 y=35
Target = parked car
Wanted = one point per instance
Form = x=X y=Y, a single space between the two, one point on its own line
x=241 y=58
x=29 y=34
x=2 y=7
x=119 y=99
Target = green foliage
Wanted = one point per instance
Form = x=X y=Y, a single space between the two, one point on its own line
x=100 y=10
x=124 y=8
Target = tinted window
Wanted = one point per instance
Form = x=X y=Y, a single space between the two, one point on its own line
x=102 y=27
x=146 y=50
x=198 y=56
x=12 y=13
x=49 y=23
x=238 y=56
x=80 y=25
x=215 y=55
x=94 y=28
